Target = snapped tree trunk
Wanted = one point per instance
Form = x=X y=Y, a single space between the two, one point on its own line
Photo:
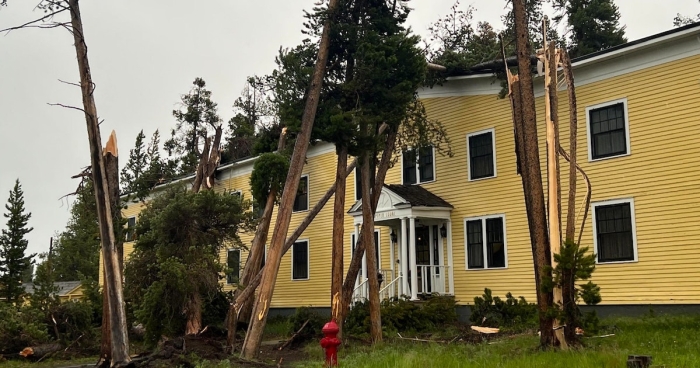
x=119 y=337
x=253 y=263
x=338 y=237
x=193 y=311
x=367 y=236
x=251 y=347
x=533 y=191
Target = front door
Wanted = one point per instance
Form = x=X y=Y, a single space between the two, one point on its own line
x=423 y=258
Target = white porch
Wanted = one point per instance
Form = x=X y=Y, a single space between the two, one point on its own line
x=420 y=243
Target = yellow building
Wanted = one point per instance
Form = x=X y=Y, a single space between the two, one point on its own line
x=459 y=223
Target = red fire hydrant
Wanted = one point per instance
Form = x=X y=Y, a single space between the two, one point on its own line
x=330 y=343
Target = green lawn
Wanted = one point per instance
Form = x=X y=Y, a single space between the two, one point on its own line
x=672 y=341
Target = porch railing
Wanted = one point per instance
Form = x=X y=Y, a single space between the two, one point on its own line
x=391 y=289
x=433 y=279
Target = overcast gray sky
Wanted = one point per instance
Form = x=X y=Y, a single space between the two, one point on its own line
x=143 y=55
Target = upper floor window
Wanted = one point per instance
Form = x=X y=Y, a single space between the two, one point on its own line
x=485 y=242
x=418 y=166
x=301 y=202
x=482 y=154
x=358 y=184
x=130 y=234
x=233 y=262
x=608 y=130
x=236 y=193
x=300 y=260
x=614 y=231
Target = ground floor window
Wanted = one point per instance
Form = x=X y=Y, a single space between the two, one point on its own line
x=614 y=231
x=300 y=260
x=485 y=242
x=233 y=262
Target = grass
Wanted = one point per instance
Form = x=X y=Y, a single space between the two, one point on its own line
x=277 y=328
x=47 y=363
x=671 y=341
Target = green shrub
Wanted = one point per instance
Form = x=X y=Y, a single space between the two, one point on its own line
x=513 y=313
x=312 y=329
x=73 y=320
x=21 y=327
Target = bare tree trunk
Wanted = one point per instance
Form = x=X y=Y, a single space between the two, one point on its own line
x=367 y=236
x=262 y=305
x=537 y=218
x=119 y=337
x=193 y=311
x=201 y=166
x=253 y=263
x=338 y=237
x=553 y=191
x=356 y=261
x=573 y=132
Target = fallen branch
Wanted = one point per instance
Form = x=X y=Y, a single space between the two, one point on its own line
x=293 y=336
x=422 y=340
x=40 y=351
x=485 y=330
x=71 y=344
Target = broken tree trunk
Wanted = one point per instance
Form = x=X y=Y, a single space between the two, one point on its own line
x=338 y=237
x=119 y=337
x=367 y=236
x=254 y=261
x=573 y=131
x=533 y=191
x=553 y=191
x=262 y=304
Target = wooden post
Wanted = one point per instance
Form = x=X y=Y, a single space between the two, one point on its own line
x=262 y=305
x=119 y=337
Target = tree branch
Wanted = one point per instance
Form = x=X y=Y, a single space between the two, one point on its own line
x=28 y=24
x=67 y=107
x=71 y=83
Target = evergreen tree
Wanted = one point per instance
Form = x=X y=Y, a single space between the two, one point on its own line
x=136 y=166
x=197 y=117
x=76 y=253
x=594 y=25
x=13 y=260
x=45 y=293
x=154 y=169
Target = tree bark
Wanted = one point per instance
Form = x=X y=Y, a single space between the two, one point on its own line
x=573 y=133
x=338 y=237
x=254 y=262
x=201 y=166
x=119 y=337
x=193 y=311
x=262 y=305
x=534 y=192
x=209 y=175
x=367 y=236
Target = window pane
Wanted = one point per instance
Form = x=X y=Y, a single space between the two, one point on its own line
x=475 y=245
x=358 y=184
x=425 y=164
x=233 y=263
x=409 y=167
x=376 y=249
x=495 y=246
x=300 y=260
x=481 y=156
x=614 y=233
x=130 y=234
x=301 y=202
x=608 y=134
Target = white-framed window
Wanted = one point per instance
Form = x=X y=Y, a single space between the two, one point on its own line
x=418 y=166
x=300 y=260
x=614 y=231
x=358 y=184
x=236 y=193
x=481 y=154
x=233 y=263
x=607 y=127
x=130 y=233
x=485 y=242
x=301 y=202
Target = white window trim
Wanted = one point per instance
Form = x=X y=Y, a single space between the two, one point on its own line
x=634 y=228
x=379 y=245
x=237 y=191
x=493 y=147
x=418 y=182
x=308 y=194
x=239 y=265
x=588 y=128
x=357 y=171
x=308 y=260
x=133 y=234
x=483 y=228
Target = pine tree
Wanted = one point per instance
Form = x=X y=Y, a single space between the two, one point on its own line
x=594 y=25
x=197 y=118
x=136 y=166
x=13 y=260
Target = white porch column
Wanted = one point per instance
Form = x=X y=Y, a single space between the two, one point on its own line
x=391 y=255
x=449 y=257
x=412 y=255
x=354 y=249
x=441 y=257
x=364 y=255
x=404 y=257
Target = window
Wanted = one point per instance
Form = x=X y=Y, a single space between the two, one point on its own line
x=257 y=209
x=130 y=234
x=485 y=242
x=614 y=231
x=233 y=262
x=482 y=155
x=300 y=260
x=358 y=184
x=301 y=202
x=376 y=246
x=608 y=133
x=236 y=193
x=418 y=167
